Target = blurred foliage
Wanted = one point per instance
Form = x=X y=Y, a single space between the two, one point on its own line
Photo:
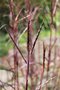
x=43 y=17
x=4 y=44
x=3 y=47
x=4 y=11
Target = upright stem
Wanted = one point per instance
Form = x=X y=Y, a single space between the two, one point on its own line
x=29 y=45
x=16 y=81
x=28 y=48
x=14 y=32
x=42 y=73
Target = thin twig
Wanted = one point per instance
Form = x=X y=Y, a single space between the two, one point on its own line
x=6 y=84
x=24 y=18
x=28 y=48
x=16 y=45
x=45 y=82
x=42 y=73
x=36 y=38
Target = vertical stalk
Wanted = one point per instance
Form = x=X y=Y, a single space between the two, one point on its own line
x=14 y=32
x=42 y=73
x=16 y=82
x=28 y=58
x=29 y=46
x=49 y=53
